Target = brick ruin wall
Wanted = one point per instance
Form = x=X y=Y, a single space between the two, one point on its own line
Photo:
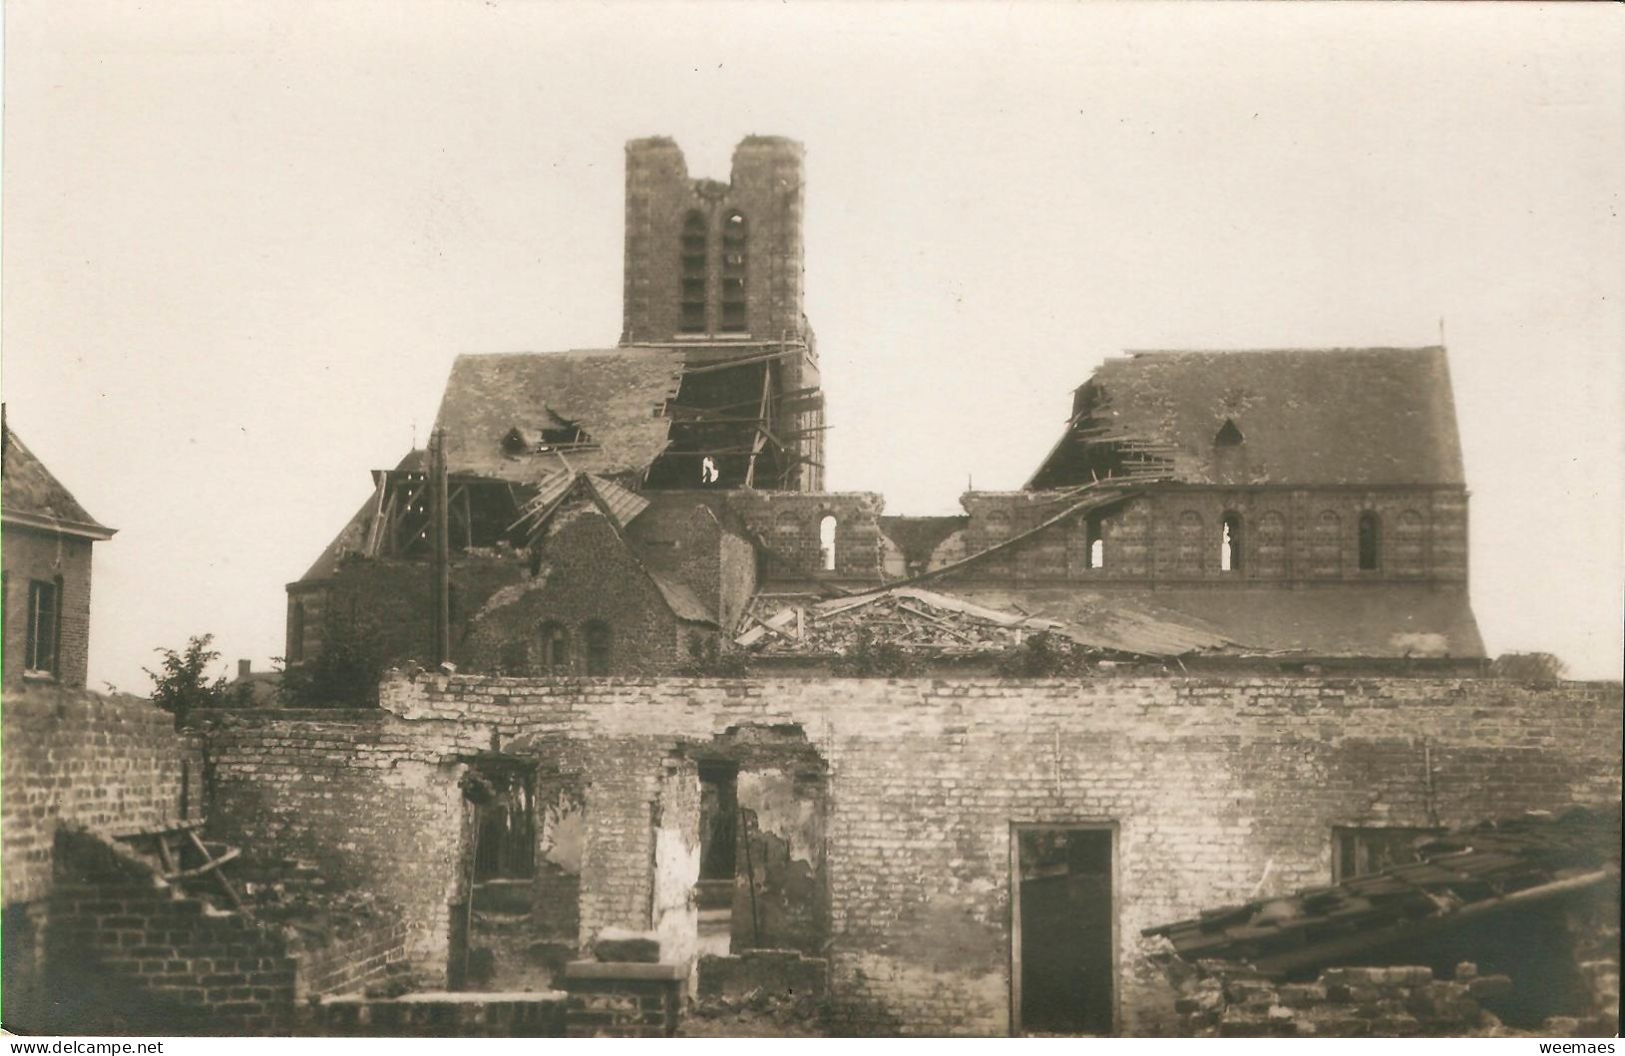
x=113 y=764
x=1217 y=789
x=94 y=942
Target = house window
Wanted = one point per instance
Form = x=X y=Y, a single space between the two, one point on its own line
x=826 y=542
x=733 y=273
x=1096 y=540
x=1359 y=850
x=44 y=626
x=1230 y=543
x=296 y=632
x=693 y=274
x=1370 y=540
x=555 y=648
x=598 y=640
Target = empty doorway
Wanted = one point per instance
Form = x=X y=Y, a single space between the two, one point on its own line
x=1062 y=941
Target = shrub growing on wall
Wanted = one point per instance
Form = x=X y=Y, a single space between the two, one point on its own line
x=183 y=686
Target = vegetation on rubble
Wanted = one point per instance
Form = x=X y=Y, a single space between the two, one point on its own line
x=1044 y=655
x=871 y=656
x=183 y=685
x=1528 y=667
x=710 y=657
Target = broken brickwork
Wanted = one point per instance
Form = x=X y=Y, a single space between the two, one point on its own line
x=1214 y=788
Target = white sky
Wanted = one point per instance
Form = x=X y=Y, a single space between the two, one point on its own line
x=243 y=242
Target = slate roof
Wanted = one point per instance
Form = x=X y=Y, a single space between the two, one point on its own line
x=618 y=397
x=1348 y=620
x=1461 y=875
x=1309 y=417
x=31 y=495
x=684 y=603
x=1122 y=623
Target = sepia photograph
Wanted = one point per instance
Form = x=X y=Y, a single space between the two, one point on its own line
x=450 y=592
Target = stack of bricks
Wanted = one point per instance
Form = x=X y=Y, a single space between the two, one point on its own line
x=441 y=1015
x=623 y=1000
x=1231 y=1001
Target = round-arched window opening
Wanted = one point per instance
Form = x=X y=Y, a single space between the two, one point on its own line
x=826 y=542
x=1230 y=543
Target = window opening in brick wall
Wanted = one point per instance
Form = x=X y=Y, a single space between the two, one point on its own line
x=1370 y=540
x=827 y=529
x=44 y=626
x=692 y=282
x=555 y=648
x=1228 y=435
x=598 y=641
x=1063 y=921
x=1094 y=535
x=734 y=232
x=1230 y=543
x=296 y=632
x=1359 y=850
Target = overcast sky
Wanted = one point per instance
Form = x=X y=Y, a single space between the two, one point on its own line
x=243 y=242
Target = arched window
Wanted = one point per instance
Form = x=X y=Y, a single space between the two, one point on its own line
x=734 y=232
x=1409 y=544
x=1230 y=542
x=1370 y=540
x=1095 y=538
x=555 y=648
x=1190 y=542
x=693 y=274
x=1269 y=546
x=826 y=542
x=1327 y=553
x=598 y=641
x=996 y=525
x=1229 y=435
x=296 y=632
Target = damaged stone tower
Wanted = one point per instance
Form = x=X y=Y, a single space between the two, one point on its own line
x=717 y=269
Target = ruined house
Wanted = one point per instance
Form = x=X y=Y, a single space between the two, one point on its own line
x=608 y=506
x=48 y=539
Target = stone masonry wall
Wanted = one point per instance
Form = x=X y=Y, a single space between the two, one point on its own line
x=1218 y=789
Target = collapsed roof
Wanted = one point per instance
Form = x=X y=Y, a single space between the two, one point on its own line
x=1287 y=416
x=497 y=410
x=1461 y=876
x=946 y=625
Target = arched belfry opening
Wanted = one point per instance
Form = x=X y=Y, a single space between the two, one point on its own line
x=1228 y=435
x=735 y=234
x=693 y=273
x=1230 y=542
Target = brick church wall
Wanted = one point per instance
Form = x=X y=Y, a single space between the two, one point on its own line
x=1216 y=788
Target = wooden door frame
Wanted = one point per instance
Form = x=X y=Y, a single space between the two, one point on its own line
x=1106 y=825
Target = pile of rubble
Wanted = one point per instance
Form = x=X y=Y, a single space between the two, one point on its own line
x=920 y=621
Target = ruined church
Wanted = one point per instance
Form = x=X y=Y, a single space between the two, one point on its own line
x=608 y=507
x=1274 y=791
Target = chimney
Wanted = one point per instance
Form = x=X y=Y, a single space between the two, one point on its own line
x=244 y=667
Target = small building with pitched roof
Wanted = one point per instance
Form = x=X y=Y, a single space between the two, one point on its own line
x=47 y=568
